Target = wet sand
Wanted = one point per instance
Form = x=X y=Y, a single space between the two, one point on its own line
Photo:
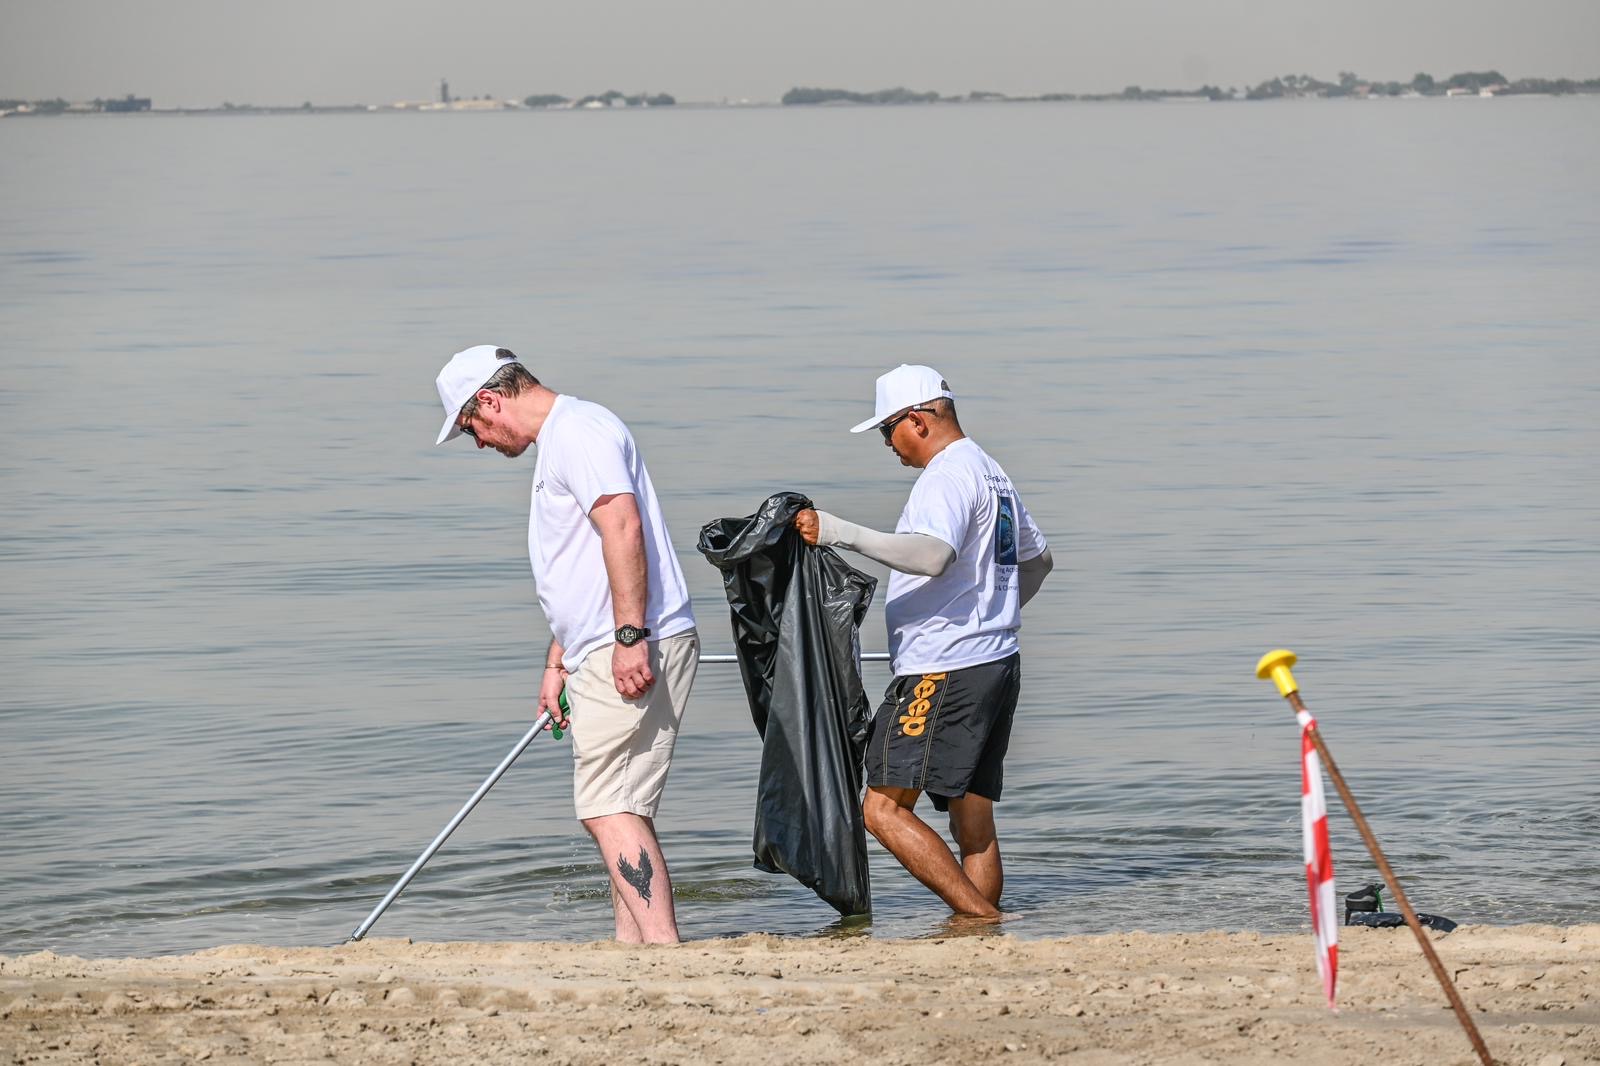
x=1119 y=998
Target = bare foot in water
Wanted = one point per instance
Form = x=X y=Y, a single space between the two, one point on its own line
x=975 y=924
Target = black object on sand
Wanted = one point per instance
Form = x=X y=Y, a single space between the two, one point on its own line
x=1365 y=907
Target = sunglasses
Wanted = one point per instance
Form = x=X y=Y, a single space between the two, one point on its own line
x=887 y=428
x=466 y=427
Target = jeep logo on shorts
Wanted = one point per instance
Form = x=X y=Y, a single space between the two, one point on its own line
x=915 y=720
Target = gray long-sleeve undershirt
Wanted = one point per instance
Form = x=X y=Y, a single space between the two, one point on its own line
x=909 y=553
x=917 y=553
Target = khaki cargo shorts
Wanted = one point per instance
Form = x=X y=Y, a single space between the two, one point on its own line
x=622 y=748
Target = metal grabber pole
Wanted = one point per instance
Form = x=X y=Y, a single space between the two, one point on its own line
x=1275 y=665
x=866 y=657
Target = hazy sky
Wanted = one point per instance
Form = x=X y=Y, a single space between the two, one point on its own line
x=204 y=52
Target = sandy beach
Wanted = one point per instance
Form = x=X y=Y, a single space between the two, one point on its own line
x=1119 y=998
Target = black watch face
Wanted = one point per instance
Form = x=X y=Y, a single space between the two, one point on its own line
x=629 y=635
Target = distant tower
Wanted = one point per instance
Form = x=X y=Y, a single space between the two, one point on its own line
x=444 y=91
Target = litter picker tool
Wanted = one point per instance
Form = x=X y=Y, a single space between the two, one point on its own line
x=1275 y=666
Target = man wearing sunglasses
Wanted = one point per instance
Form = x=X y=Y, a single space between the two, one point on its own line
x=623 y=638
x=965 y=556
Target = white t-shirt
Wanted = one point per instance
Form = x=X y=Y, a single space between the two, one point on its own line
x=585 y=452
x=969 y=614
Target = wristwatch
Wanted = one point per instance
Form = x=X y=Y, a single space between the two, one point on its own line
x=628 y=636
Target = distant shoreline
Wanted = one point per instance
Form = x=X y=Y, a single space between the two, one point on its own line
x=1486 y=83
x=171 y=112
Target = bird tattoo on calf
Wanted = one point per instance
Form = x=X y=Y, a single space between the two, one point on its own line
x=639 y=877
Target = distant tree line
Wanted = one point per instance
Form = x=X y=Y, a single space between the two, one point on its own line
x=607 y=99
x=43 y=107
x=58 y=106
x=1421 y=84
x=1133 y=92
x=1289 y=85
x=844 y=96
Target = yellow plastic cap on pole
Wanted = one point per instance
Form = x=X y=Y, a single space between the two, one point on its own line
x=1275 y=664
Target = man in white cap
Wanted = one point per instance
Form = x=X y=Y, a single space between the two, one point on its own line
x=965 y=556
x=623 y=638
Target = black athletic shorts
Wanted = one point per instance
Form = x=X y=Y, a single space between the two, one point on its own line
x=946 y=733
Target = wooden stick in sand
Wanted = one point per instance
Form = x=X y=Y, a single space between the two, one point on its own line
x=1275 y=665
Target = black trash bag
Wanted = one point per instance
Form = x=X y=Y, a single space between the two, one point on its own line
x=1394 y=920
x=797 y=611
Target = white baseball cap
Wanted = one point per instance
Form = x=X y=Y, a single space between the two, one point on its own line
x=907 y=385
x=466 y=372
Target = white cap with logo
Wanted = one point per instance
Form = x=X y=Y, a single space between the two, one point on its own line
x=907 y=385
x=466 y=372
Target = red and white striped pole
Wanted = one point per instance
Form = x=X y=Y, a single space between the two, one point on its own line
x=1319 y=860
x=1275 y=665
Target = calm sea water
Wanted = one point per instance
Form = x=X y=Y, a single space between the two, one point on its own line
x=1317 y=375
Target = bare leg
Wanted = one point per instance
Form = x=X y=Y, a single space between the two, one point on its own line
x=889 y=817
x=627 y=928
x=972 y=825
x=641 y=889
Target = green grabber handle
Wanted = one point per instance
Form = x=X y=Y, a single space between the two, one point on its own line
x=556 y=732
